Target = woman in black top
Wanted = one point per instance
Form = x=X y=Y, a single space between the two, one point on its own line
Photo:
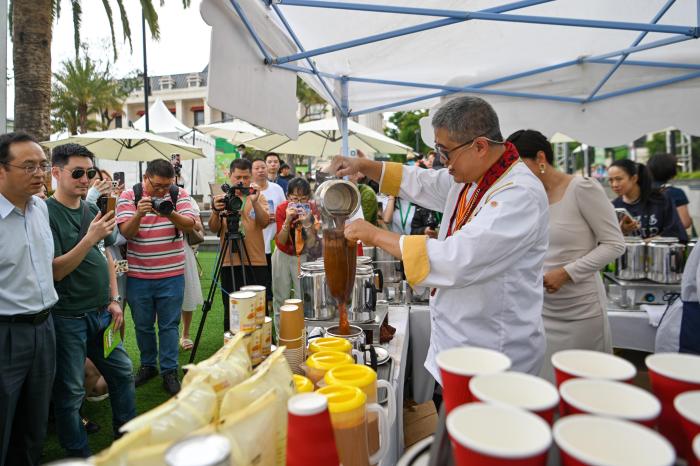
x=663 y=168
x=653 y=213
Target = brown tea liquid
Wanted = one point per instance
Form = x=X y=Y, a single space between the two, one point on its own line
x=340 y=260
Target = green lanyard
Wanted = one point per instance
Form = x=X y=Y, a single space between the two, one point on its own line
x=403 y=219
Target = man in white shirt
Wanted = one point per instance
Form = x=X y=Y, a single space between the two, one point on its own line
x=485 y=267
x=275 y=196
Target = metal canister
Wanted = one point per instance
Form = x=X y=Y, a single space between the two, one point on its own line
x=631 y=265
x=256 y=346
x=242 y=311
x=260 y=303
x=318 y=303
x=266 y=347
x=666 y=260
x=200 y=450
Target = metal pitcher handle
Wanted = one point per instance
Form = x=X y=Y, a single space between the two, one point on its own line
x=380 y=274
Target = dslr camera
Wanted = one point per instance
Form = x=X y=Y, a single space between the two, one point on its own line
x=163 y=205
x=232 y=201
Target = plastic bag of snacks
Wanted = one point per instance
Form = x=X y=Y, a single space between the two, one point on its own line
x=273 y=373
x=224 y=369
x=245 y=429
x=191 y=409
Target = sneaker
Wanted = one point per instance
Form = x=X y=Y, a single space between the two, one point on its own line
x=90 y=427
x=170 y=383
x=145 y=374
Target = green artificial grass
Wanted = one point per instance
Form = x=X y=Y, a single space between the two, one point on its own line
x=152 y=393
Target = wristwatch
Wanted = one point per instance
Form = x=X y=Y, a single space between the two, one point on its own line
x=115 y=299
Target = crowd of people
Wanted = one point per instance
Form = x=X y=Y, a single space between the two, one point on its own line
x=509 y=246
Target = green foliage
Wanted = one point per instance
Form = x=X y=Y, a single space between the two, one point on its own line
x=407 y=124
x=148 y=9
x=308 y=98
x=82 y=91
x=657 y=145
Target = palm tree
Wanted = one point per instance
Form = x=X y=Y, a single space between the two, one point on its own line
x=31 y=23
x=81 y=91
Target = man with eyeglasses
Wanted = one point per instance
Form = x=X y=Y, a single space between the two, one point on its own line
x=89 y=301
x=155 y=280
x=485 y=266
x=27 y=339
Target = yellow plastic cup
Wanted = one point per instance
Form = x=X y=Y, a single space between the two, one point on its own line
x=303 y=384
x=319 y=363
x=330 y=344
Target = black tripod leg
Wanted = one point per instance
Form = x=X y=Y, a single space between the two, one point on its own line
x=208 y=302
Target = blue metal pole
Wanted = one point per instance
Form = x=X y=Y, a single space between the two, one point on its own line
x=644 y=87
x=624 y=56
x=399 y=32
x=344 y=111
x=640 y=48
x=253 y=34
x=294 y=37
x=650 y=64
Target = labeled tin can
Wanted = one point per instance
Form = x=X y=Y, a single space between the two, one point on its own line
x=261 y=301
x=256 y=356
x=267 y=337
x=242 y=311
x=200 y=450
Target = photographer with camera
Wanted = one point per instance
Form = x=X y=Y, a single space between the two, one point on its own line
x=244 y=209
x=153 y=217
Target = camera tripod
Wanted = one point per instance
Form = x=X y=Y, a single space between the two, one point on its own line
x=233 y=244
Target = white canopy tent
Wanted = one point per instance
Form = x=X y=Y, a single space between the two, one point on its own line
x=161 y=121
x=601 y=72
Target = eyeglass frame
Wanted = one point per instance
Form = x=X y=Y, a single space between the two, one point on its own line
x=158 y=187
x=445 y=154
x=84 y=170
x=31 y=169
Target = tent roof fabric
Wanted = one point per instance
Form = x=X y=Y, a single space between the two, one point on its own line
x=489 y=48
x=161 y=121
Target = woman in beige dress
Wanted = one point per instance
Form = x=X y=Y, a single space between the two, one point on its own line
x=584 y=236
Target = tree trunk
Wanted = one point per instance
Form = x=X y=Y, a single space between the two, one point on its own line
x=31 y=55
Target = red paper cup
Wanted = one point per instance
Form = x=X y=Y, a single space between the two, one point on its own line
x=586 y=364
x=459 y=365
x=586 y=440
x=688 y=406
x=310 y=437
x=672 y=374
x=609 y=399
x=523 y=391
x=484 y=434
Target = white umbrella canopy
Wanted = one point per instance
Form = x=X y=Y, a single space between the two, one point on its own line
x=322 y=138
x=237 y=130
x=130 y=145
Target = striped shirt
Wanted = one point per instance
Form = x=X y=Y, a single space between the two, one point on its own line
x=155 y=252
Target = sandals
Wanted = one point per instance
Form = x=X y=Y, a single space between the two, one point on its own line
x=186 y=344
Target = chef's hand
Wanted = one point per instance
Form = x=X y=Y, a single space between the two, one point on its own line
x=430 y=232
x=628 y=225
x=555 y=279
x=343 y=166
x=361 y=230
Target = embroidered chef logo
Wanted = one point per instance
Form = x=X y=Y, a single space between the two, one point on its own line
x=494 y=203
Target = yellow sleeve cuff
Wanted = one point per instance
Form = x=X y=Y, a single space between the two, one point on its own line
x=391 y=180
x=415 y=258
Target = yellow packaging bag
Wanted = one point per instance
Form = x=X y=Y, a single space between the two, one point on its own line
x=246 y=429
x=273 y=373
x=224 y=369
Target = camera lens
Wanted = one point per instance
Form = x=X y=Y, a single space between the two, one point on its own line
x=163 y=206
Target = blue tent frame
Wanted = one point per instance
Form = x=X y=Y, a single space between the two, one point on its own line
x=616 y=58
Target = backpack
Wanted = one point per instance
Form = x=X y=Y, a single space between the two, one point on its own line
x=174 y=193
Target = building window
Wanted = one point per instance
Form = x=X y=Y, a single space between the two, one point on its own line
x=198 y=117
x=118 y=121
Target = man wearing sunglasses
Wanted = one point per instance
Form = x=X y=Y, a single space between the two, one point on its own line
x=485 y=267
x=155 y=282
x=27 y=339
x=88 y=300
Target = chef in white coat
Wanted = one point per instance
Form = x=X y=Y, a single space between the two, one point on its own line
x=485 y=267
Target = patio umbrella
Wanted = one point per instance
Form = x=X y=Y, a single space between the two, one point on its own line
x=322 y=138
x=237 y=130
x=130 y=145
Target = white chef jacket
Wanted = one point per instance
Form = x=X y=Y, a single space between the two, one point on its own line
x=488 y=274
